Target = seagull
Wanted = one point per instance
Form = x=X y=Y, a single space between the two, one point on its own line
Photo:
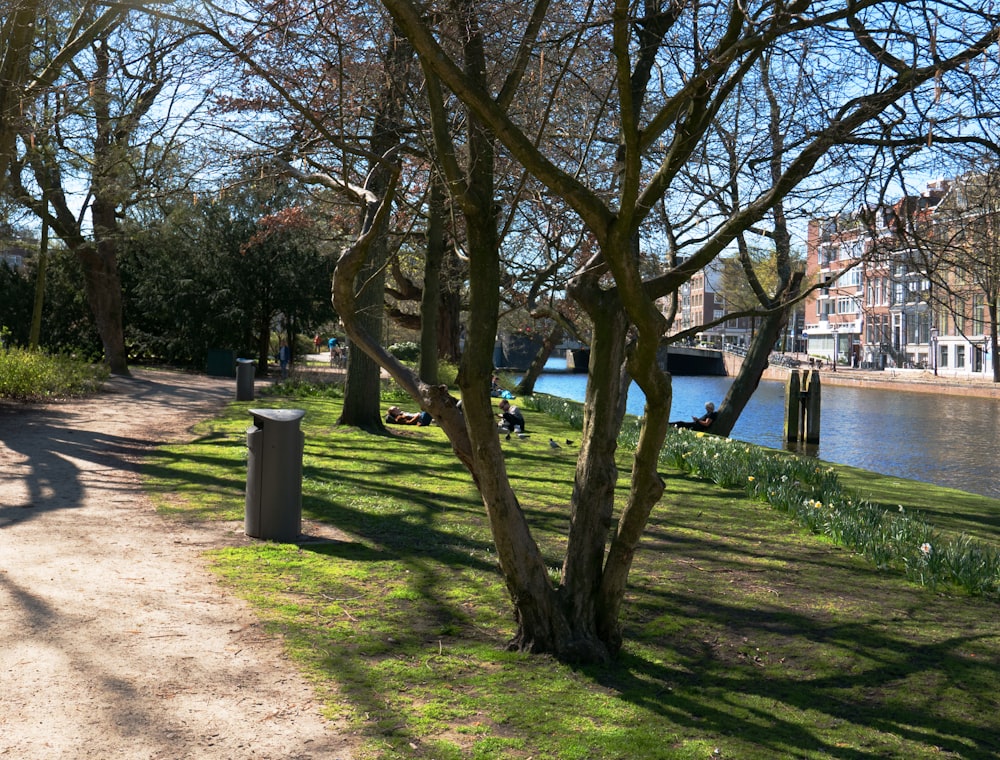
x=553 y=444
x=522 y=435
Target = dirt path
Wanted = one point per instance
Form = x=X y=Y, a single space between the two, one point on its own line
x=115 y=641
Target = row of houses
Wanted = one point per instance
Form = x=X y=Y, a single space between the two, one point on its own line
x=904 y=285
x=907 y=284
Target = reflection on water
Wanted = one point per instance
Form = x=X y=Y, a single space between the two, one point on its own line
x=947 y=440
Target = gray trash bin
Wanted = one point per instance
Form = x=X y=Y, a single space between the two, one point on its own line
x=245 y=371
x=274 y=475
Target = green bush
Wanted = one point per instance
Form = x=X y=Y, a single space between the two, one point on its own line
x=405 y=352
x=447 y=373
x=33 y=376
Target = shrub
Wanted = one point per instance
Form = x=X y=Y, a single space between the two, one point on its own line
x=405 y=352
x=447 y=373
x=34 y=376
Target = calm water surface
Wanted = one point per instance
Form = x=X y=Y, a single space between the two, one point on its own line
x=947 y=440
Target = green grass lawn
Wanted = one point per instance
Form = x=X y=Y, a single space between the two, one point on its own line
x=746 y=636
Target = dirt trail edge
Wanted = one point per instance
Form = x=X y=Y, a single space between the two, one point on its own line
x=115 y=640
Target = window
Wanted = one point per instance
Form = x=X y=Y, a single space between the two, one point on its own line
x=943 y=358
x=851 y=250
x=847 y=306
x=959 y=357
x=978 y=321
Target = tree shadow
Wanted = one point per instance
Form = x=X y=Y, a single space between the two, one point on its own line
x=45 y=450
x=48 y=458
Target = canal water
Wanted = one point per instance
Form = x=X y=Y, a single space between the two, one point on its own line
x=946 y=440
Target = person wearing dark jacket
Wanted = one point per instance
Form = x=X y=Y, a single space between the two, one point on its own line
x=511 y=416
x=700 y=423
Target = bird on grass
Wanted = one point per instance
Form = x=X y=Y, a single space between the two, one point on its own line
x=553 y=444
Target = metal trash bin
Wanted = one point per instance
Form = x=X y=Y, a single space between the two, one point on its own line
x=245 y=371
x=274 y=475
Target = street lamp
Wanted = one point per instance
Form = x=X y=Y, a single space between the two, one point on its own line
x=934 y=348
x=836 y=346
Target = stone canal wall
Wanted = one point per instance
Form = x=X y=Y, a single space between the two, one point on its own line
x=906 y=380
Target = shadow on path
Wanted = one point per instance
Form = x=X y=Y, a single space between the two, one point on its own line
x=49 y=451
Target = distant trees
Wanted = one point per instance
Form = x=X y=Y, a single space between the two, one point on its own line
x=82 y=134
x=67 y=324
x=226 y=273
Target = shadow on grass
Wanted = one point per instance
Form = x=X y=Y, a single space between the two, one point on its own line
x=722 y=687
x=739 y=626
x=771 y=643
x=778 y=641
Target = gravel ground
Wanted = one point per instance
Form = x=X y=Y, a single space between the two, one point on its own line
x=115 y=641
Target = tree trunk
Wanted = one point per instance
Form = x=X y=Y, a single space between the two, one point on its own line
x=362 y=389
x=752 y=370
x=430 y=297
x=527 y=385
x=104 y=294
x=594 y=487
x=37 y=309
x=103 y=284
x=17 y=33
x=263 y=341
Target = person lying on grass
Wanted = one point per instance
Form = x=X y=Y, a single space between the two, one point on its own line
x=396 y=416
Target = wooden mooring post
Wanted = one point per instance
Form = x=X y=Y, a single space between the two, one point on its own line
x=802 y=406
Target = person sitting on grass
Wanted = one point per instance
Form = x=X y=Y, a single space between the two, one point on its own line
x=396 y=416
x=700 y=423
x=511 y=416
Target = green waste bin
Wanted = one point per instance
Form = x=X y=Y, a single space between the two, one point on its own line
x=220 y=363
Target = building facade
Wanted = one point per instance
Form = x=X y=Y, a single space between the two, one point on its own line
x=700 y=302
x=892 y=285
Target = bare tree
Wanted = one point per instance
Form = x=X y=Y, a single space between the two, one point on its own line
x=614 y=108
x=662 y=123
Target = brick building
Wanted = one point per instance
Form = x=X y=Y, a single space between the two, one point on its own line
x=899 y=293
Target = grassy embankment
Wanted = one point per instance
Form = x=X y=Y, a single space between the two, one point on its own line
x=747 y=635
